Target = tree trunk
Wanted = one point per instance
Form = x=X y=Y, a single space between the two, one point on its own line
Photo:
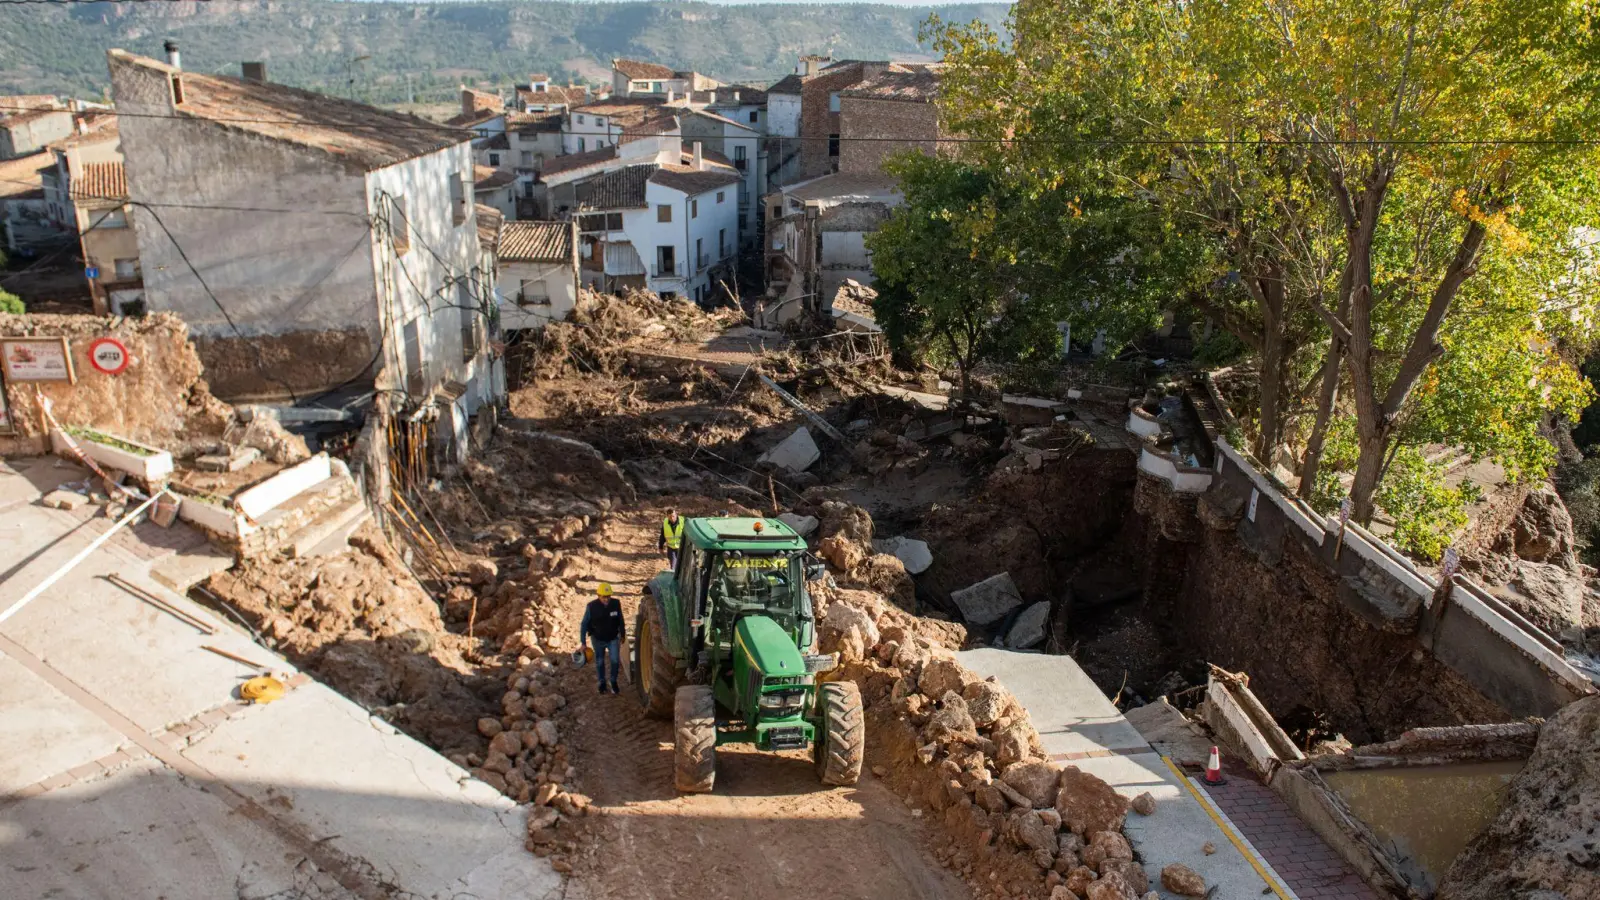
x=1270 y=294
x=1369 y=473
x=1311 y=463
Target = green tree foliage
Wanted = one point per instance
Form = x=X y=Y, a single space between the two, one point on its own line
x=11 y=303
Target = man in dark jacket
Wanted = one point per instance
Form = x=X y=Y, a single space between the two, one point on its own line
x=604 y=626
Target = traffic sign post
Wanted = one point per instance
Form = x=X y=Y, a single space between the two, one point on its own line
x=109 y=356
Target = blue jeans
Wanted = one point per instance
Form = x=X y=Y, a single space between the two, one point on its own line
x=672 y=559
x=602 y=650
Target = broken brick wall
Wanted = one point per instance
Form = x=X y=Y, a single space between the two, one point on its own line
x=160 y=399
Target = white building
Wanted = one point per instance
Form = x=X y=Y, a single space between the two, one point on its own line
x=633 y=78
x=816 y=235
x=739 y=146
x=538 y=273
x=309 y=257
x=495 y=188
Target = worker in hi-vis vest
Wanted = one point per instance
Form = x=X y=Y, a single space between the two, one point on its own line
x=671 y=537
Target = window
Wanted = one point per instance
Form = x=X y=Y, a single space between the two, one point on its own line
x=655 y=87
x=614 y=221
x=753 y=114
x=699 y=253
x=739 y=157
x=540 y=87
x=833 y=145
x=600 y=122
x=669 y=296
x=641 y=85
x=533 y=293
x=580 y=145
x=580 y=120
x=525 y=157
x=666 y=261
x=458 y=198
x=721 y=195
x=833 y=102
x=664 y=212
x=494 y=159
x=127 y=268
x=722 y=242
x=399 y=226
x=694 y=208
x=467 y=306
x=416 y=377
x=111 y=218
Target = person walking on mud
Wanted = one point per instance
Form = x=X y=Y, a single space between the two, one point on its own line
x=671 y=538
x=604 y=626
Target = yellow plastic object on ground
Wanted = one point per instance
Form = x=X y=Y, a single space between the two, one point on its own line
x=262 y=689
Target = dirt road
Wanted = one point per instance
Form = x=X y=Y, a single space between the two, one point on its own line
x=769 y=829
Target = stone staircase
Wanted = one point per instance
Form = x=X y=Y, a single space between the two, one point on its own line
x=319 y=520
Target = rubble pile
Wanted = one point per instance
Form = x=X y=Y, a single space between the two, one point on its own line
x=845 y=542
x=1533 y=566
x=961 y=748
x=601 y=327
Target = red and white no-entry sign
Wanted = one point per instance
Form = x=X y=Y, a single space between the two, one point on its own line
x=109 y=356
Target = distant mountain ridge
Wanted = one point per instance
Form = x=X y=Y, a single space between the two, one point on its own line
x=428 y=48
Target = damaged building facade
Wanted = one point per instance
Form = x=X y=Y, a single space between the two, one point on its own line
x=310 y=258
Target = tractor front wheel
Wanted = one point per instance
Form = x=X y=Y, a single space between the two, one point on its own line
x=694 y=718
x=655 y=673
x=842 y=739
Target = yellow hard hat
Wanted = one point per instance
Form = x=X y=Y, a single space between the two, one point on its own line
x=604 y=589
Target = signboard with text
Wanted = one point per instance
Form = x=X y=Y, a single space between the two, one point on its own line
x=24 y=359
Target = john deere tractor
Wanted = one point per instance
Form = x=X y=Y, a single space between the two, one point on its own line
x=725 y=646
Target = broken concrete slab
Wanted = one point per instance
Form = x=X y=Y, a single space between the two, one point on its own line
x=912 y=553
x=1028 y=630
x=228 y=462
x=794 y=453
x=64 y=499
x=802 y=525
x=988 y=601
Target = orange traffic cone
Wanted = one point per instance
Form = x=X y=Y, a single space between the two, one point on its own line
x=1214 y=768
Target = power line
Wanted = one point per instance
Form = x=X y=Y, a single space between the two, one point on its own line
x=920 y=138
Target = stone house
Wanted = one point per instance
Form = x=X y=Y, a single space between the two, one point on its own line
x=27 y=130
x=816 y=238
x=308 y=257
x=633 y=78
x=890 y=104
x=820 y=105
x=27 y=225
x=540 y=96
x=495 y=188
x=538 y=273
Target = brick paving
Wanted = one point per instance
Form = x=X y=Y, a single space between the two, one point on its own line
x=1306 y=864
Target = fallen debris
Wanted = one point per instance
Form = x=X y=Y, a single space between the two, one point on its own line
x=796 y=453
x=912 y=553
x=988 y=601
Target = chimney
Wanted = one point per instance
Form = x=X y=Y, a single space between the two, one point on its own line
x=671 y=95
x=467 y=107
x=253 y=71
x=711 y=97
x=171 y=47
x=81 y=125
x=699 y=164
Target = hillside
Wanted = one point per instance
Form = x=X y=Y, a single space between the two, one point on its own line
x=59 y=48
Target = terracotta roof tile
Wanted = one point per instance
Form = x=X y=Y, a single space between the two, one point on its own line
x=490 y=221
x=624 y=111
x=20 y=178
x=916 y=87
x=555 y=95
x=617 y=189
x=101 y=181
x=577 y=161
x=365 y=136
x=542 y=242
x=694 y=181
x=488 y=178
x=632 y=68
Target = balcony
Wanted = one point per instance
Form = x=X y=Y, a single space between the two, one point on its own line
x=701 y=264
x=657 y=270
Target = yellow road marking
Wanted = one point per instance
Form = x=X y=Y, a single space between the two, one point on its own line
x=1270 y=878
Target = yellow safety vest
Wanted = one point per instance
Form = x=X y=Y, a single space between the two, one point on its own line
x=674 y=535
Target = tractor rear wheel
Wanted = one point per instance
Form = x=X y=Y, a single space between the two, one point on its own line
x=655 y=673
x=842 y=733
x=695 y=725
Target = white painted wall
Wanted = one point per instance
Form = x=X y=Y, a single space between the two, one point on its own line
x=556 y=281
x=783 y=115
x=846 y=249
x=646 y=234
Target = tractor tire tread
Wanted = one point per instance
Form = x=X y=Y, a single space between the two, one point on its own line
x=843 y=745
x=665 y=677
x=695 y=739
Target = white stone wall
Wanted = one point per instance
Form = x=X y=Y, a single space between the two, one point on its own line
x=556 y=281
x=783 y=115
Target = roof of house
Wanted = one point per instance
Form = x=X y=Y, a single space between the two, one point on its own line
x=22 y=118
x=540 y=242
x=535 y=123
x=537 y=77
x=651 y=127
x=101 y=181
x=705 y=113
x=621 y=188
x=97 y=127
x=490 y=220
x=487 y=178
x=19 y=178
x=694 y=181
x=578 y=161
x=10 y=103
x=846 y=187
x=365 y=136
x=711 y=157
x=748 y=95
x=917 y=87
x=788 y=84
x=623 y=110
x=476 y=117
x=632 y=68
x=496 y=141
x=572 y=95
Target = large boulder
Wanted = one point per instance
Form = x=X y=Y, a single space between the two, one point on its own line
x=847 y=631
x=1034 y=779
x=794 y=453
x=1542 y=531
x=1545 y=836
x=848 y=520
x=1552 y=598
x=950 y=723
x=986 y=700
x=841 y=552
x=941 y=675
x=1087 y=804
x=912 y=553
x=988 y=601
x=1012 y=743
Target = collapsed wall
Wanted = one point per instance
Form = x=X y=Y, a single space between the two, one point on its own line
x=160 y=399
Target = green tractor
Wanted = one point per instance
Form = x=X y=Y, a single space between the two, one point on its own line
x=725 y=647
